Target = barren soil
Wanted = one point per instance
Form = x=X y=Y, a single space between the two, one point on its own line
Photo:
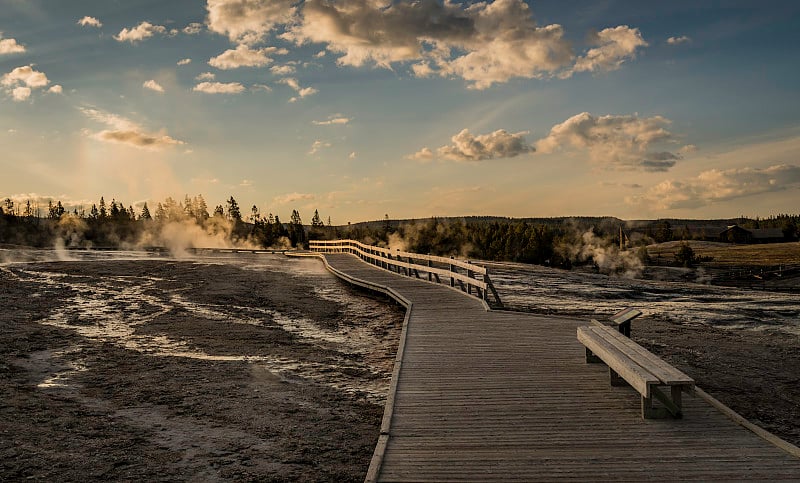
x=155 y=370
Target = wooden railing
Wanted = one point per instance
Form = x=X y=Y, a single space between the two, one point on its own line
x=462 y=274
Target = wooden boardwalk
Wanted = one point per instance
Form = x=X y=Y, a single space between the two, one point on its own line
x=480 y=395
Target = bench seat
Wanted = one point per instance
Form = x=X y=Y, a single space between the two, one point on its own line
x=641 y=369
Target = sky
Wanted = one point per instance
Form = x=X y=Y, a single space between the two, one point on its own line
x=363 y=108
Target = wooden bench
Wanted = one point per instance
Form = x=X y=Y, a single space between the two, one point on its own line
x=629 y=362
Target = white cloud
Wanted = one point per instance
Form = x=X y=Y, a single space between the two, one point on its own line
x=193 y=28
x=244 y=56
x=126 y=132
x=142 y=31
x=483 y=43
x=466 y=147
x=20 y=94
x=219 y=87
x=679 y=40
x=10 y=46
x=292 y=197
x=613 y=47
x=184 y=62
x=332 y=120
x=25 y=75
x=262 y=87
x=153 y=86
x=247 y=21
x=719 y=185
x=320 y=54
x=301 y=91
x=621 y=142
x=245 y=183
x=88 y=21
x=315 y=148
x=352 y=155
x=56 y=89
x=206 y=76
x=20 y=82
x=424 y=154
x=283 y=69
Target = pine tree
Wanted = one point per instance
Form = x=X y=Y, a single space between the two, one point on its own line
x=200 y=209
x=219 y=211
x=161 y=213
x=145 y=213
x=233 y=210
x=315 y=220
x=102 y=213
x=254 y=215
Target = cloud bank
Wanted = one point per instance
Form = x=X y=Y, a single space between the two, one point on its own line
x=717 y=185
x=615 y=142
x=483 y=43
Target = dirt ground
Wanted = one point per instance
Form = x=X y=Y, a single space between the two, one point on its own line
x=155 y=370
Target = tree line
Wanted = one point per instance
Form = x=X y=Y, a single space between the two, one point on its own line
x=546 y=241
x=112 y=225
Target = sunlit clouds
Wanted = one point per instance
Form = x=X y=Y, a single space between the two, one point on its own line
x=10 y=46
x=615 y=108
x=143 y=31
x=332 y=121
x=125 y=131
x=613 y=46
x=247 y=21
x=244 y=56
x=683 y=39
x=20 y=83
x=153 y=86
x=467 y=147
x=301 y=91
x=88 y=21
x=219 y=87
x=615 y=141
x=717 y=185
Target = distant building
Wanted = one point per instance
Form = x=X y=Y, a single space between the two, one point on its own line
x=768 y=235
x=737 y=234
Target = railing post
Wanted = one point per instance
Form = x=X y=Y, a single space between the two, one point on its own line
x=452 y=269
x=470 y=274
x=430 y=275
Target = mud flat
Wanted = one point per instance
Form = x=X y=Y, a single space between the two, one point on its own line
x=251 y=367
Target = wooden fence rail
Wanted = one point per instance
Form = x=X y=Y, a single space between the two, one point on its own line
x=471 y=278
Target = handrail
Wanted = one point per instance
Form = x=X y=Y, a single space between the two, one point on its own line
x=417 y=256
x=471 y=278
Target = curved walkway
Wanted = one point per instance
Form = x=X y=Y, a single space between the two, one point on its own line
x=480 y=395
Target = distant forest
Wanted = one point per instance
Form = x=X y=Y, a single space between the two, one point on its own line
x=558 y=242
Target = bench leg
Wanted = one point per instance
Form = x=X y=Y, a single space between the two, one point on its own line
x=672 y=407
x=616 y=380
x=591 y=358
